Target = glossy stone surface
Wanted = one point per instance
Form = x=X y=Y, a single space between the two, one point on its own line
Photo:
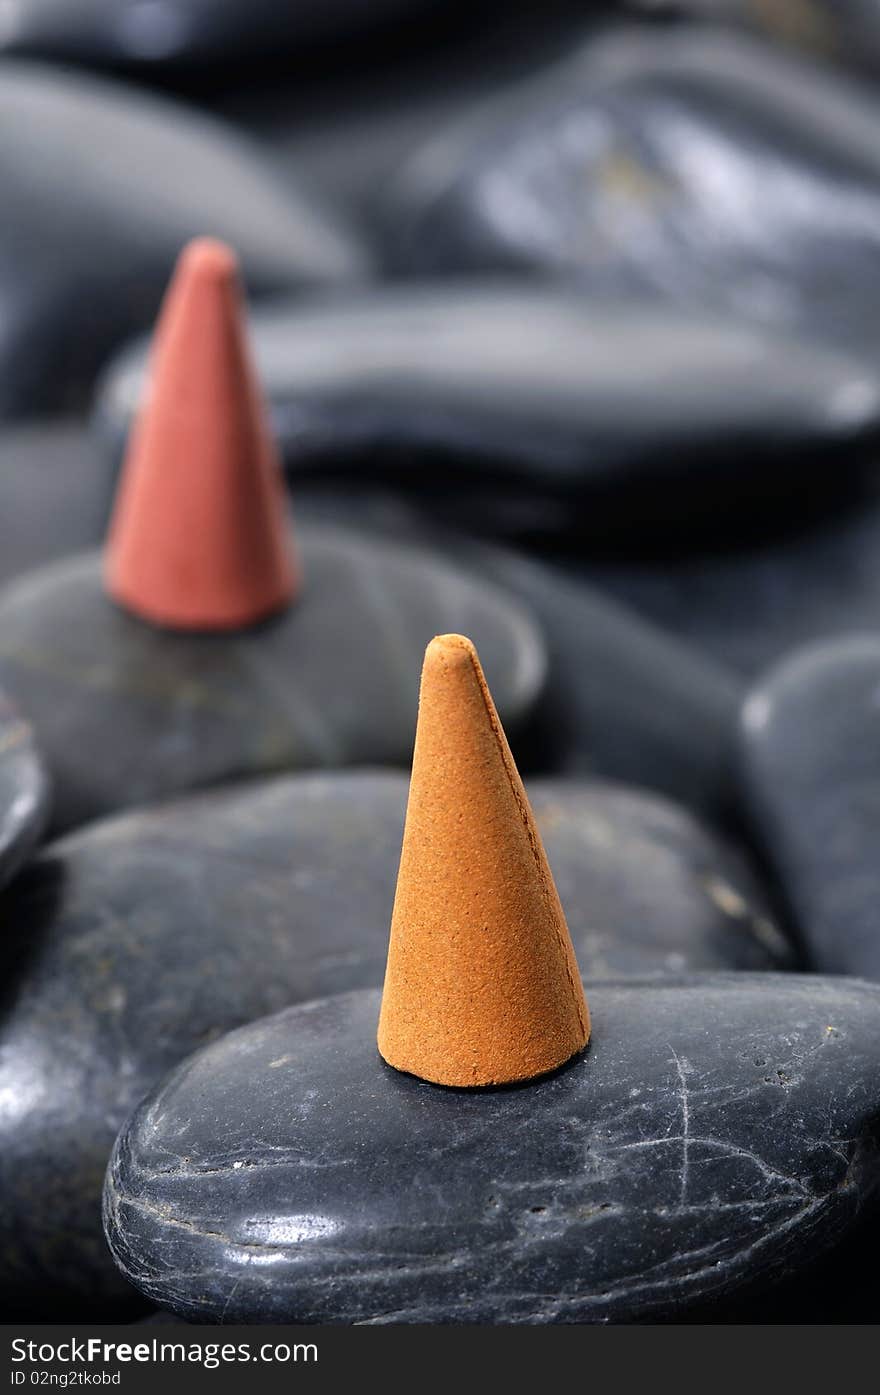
x=127 y=713
x=716 y=1135
x=163 y=33
x=55 y=489
x=604 y=415
x=687 y=164
x=24 y=790
x=134 y=942
x=87 y=247
x=811 y=774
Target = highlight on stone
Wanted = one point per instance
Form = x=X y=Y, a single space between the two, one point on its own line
x=199 y=537
x=482 y=985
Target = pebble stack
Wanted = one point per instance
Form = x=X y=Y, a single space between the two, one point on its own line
x=340 y=342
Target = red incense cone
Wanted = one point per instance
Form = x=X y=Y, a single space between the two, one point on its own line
x=198 y=539
x=482 y=985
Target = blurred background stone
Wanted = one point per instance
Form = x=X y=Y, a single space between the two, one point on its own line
x=160 y=36
x=684 y=165
x=24 y=790
x=127 y=713
x=764 y=586
x=811 y=772
x=845 y=32
x=92 y=225
x=55 y=491
x=522 y=410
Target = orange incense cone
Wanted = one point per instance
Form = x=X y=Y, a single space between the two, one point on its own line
x=198 y=538
x=482 y=985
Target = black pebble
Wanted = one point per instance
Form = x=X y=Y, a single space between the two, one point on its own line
x=683 y=164
x=91 y=226
x=717 y=1135
x=132 y=943
x=810 y=757
x=524 y=410
x=24 y=790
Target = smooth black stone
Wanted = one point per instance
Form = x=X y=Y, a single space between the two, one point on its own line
x=718 y=1134
x=24 y=790
x=127 y=713
x=623 y=699
x=346 y=127
x=612 y=415
x=134 y=942
x=811 y=777
x=166 y=33
x=55 y=489
x=758 y=596
x=687 y=164
x=102 y=185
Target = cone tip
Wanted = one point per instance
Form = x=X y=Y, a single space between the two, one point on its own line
x=208 y=259
x=452 y=650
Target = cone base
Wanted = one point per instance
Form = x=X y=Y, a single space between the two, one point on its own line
x=453 y=1081
x=196 y=622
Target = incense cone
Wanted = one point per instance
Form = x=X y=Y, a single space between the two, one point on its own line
x=198 y=538
x=481 y=986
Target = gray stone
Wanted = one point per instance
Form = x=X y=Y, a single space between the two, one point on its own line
x=136 y=941
x=811 y=776
x=836 y=31
x=519 y=409
x=55 y=489
x=347 y=128
x=765 y=591
x=717 y=1136
x=686 y=164
x=102 y=185
x=126 y=713
x=24 y=790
